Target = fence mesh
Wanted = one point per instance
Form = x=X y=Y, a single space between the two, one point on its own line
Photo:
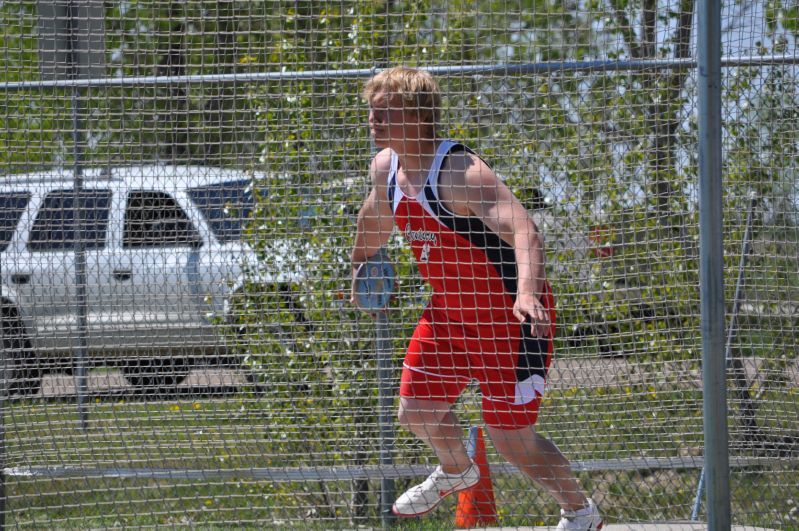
x=177 y=208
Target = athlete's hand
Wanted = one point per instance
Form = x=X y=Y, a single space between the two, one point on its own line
x=529 y=307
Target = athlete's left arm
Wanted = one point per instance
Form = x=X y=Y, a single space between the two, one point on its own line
x=476 y=190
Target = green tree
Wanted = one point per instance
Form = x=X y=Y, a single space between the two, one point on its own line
x=761 y=145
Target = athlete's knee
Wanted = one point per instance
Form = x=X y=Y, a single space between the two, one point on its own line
x=518 y=447
x=513 y=454
x=403 y=418
x=412 y=418
x=526 y=448
x=418 y=416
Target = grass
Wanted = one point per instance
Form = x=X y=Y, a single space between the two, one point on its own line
x=231 y=433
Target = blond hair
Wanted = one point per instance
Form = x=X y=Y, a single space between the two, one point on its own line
x=418 y=89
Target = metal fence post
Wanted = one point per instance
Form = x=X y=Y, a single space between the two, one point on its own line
x=375 y=284
x=711 y=266
x=75 y=71
x=81 y=345
x=739 y=372
x=3 y=401
x=386 y=403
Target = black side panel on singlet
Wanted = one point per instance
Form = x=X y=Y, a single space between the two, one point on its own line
x=533 y=352
x=499 y=252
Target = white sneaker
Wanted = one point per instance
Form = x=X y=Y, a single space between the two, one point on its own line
x=424 y=497
x=569 y=521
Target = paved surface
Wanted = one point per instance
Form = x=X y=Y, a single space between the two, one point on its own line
x=582 y=373
x=665 y=526
x=112 y=381
x=662 y=526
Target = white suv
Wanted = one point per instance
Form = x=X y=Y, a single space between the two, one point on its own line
x=163 y=254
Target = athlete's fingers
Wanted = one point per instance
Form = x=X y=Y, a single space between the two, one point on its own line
x=542 y=316
x=537 y=316
x=536 y=312
x=536 y=327
x=533 y=312
x=545 y=324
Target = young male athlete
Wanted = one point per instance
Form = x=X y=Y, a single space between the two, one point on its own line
x=491 y=315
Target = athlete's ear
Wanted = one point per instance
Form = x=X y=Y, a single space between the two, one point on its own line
x=425 y=117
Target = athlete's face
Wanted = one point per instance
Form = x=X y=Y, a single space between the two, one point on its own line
x=390 y=121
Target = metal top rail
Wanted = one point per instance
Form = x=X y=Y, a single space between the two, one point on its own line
x=472 y=70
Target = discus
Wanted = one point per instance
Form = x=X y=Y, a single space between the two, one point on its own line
x=374 y=284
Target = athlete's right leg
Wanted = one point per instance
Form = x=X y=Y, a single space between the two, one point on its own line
x=433 y=422
x=431 y=383
x=426 y=398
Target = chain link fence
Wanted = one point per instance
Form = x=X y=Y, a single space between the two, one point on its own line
x=177 y=203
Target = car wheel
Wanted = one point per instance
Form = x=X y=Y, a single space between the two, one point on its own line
x=159 y=375
x=24 y=376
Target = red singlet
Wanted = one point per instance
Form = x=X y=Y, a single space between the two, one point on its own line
x=468 y=330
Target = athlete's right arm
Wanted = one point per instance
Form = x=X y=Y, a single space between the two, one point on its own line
x=375 y=219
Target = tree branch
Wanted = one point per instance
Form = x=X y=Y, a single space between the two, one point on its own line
x=626 y=30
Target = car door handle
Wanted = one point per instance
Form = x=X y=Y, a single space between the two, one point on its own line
x=20 y=278
x=123 y=274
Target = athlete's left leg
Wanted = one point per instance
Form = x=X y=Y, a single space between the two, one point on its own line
x=542 y=461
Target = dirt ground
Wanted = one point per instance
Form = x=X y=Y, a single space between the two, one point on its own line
x=564 y=374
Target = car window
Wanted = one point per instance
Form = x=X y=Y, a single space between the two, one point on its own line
x=155 y=219
x=11 y=207
x=225 y=206
x=57 y=220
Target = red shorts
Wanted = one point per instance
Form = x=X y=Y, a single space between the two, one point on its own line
x=508 y=362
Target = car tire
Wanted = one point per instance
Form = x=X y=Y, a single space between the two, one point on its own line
x=158 y=375
x=24 y=376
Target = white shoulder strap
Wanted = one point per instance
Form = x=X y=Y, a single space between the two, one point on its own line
x=435 y=167
x=392 y=171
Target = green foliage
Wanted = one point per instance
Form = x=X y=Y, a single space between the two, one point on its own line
x=30 y=120
x=782 y=15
